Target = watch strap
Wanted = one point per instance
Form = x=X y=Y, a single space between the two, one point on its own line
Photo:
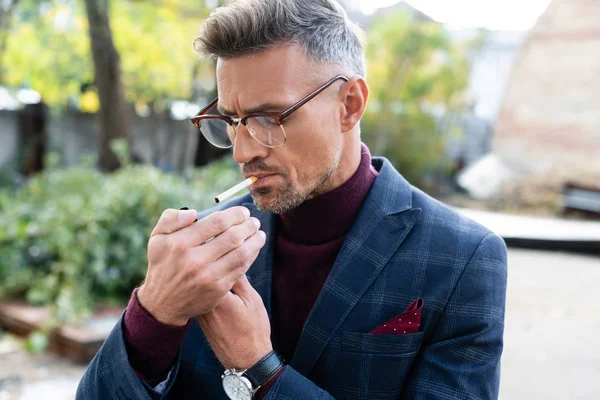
x=263 y=370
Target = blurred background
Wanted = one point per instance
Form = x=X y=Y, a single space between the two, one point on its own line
x=490 y=106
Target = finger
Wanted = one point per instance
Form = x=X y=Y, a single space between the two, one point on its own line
x=174 y=220
x=235 y=263
x=236 y=275
x=245 y=290
x=231 y=239
x=226 y=306
x=211 y=226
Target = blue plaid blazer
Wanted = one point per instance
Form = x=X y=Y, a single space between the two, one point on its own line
x=402 y=246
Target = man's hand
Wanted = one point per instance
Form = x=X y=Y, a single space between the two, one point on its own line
x=187 y=276
x=238 y=329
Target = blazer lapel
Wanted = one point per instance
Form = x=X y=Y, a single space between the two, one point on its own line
x=261 y=272
x=385 y=219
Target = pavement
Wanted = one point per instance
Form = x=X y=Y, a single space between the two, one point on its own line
x=552 y=337
x=531 y=228
x=552 y=332
x=25 y=376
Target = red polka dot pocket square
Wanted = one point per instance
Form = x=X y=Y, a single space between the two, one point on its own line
x=407 y=322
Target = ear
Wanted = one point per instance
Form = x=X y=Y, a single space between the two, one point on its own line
x=354 y=94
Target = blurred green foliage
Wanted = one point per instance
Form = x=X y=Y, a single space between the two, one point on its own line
x=48 y=49
x=71 y=238
x=414 y=70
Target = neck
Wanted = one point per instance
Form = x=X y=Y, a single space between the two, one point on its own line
x=349 y=162
x=331 y=214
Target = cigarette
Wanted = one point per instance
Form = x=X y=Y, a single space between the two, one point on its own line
x=240 y=186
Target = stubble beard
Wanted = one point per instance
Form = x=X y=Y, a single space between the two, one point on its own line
x=269 y=199
x=276 y=200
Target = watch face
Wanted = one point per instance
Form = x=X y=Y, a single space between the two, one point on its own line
x=237 y=388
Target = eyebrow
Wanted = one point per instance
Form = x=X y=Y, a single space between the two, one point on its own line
x=254 y=110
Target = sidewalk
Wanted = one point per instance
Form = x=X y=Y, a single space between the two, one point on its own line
x=25 y=376
x=540 y=233
x=552 y=331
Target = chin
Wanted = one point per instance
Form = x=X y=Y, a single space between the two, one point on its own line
x=269 y=205
x=271 y=202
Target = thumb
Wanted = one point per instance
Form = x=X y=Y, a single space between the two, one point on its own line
x=244 y=289
x=174 y=220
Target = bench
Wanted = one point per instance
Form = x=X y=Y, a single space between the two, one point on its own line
x=581 y=199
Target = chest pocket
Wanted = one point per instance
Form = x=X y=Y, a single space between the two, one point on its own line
x=366 y=366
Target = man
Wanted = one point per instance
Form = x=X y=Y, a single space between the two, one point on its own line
x=334 y=278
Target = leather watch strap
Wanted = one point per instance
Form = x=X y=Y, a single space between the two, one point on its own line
x=260 y=372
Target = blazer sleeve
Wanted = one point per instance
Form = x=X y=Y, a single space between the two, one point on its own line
x=290 y=383
x=462 y=359
x=110 y=376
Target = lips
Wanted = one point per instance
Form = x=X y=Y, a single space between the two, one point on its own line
x=262 y=178
x=258 y=175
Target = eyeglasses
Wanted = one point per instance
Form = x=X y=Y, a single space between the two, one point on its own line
x=266 y=128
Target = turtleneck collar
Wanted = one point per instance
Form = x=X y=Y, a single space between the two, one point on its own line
x=330 y=215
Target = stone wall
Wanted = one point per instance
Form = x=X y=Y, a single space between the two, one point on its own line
x=550 y=118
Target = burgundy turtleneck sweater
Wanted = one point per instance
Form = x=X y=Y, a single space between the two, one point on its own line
x=309 y=239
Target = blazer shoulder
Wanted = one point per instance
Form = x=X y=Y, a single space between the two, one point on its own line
x=442 y=219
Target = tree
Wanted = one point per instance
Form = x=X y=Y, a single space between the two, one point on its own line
x=206 y=152
x=414 y=69
x=6 y=16
x=49 y=51
x=114 y=114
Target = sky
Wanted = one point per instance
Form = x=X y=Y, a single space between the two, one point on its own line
x=491 y=14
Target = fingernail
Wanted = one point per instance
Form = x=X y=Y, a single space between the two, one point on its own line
x=246 y=213
x=183 y=215
x=264 y=235
x=256 y=222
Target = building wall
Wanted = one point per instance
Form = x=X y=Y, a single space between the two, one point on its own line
x=491 y=69
x=550 y=118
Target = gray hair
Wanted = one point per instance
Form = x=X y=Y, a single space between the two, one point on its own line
x=321 y=27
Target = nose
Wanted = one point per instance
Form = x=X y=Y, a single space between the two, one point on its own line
x=246 y=148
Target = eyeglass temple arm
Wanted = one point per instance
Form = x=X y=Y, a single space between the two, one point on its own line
x=207 y=108
x=290 y=110
x=309 y=97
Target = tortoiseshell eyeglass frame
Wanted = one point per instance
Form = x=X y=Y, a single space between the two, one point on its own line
x=277 y=117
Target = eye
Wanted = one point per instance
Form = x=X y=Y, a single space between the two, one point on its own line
x=266 y=121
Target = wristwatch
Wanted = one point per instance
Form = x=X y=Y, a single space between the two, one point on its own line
x=242 y=385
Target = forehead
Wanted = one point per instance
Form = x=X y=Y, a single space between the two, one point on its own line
x=278 y=74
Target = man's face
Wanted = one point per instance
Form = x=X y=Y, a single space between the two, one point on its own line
x=274 y=80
